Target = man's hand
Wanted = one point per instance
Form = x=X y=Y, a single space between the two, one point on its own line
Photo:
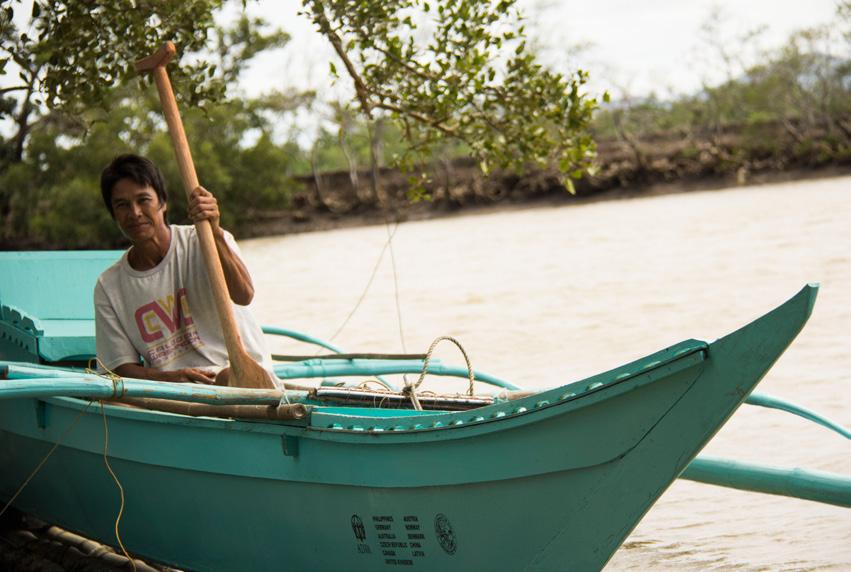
x=204 y=206
x=191 y=375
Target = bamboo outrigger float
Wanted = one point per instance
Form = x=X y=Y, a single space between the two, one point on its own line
x=553 y=480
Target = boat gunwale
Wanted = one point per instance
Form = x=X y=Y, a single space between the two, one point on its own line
x=535 y=407
x=496 y=417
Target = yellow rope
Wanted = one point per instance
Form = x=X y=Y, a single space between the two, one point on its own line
x=109 y=374
x=118 y=483
x=46 y=457
x=365 y=385
x=115 y=379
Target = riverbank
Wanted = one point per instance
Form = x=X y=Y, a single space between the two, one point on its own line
x=627 y=167
x=69 y=214
x=309 y=216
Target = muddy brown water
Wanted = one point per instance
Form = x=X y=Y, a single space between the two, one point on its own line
x=546 y=296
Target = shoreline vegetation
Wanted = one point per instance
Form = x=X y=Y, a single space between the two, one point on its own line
x=340 y=199
x=626 y=167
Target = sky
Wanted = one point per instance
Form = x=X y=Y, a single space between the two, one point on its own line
x=630 y=47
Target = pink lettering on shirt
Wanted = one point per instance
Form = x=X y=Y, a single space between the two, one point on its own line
x=169 y=312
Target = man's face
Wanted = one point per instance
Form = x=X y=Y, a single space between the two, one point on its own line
x=137 y=210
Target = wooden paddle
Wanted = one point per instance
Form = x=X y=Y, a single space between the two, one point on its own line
x=244 y=371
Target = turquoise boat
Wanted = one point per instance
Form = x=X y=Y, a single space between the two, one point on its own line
x=553 y=480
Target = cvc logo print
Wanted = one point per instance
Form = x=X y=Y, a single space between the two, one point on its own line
x=166 y=326
x=167 y=313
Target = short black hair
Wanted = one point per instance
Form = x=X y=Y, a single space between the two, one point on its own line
x=138 y=169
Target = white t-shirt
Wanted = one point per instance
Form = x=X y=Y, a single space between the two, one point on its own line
x=168 y=314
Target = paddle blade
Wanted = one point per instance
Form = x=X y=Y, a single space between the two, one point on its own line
x=245 y=372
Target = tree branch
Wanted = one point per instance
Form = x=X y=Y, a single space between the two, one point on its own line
x=14 y=88
x=419 y=117
x=325 y=28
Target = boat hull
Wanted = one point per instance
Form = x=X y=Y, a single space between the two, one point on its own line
x=552 y=482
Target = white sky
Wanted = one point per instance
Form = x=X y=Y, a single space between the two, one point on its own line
x=633 y=46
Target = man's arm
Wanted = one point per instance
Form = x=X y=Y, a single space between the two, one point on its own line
x=240 y=286
x=203 y=206
x=186 y=375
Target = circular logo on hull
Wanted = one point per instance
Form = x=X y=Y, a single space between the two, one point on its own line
x=445 y=534
x=358 y=528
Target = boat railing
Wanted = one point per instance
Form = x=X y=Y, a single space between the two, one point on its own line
x=791 y=482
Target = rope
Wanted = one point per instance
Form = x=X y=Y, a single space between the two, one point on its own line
x=46 y=457
x=370 y=126
x=396 y=283
x=411 y=389
x=116 y=379
x=387 y=245
x=365 y=385
x=117 y=482
x=366 y=288
x=396 y=289
x=117 y=392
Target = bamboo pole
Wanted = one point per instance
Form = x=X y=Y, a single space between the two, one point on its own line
x=283 y=412
x=97 y=387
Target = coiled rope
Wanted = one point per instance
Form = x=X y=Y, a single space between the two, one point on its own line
x=411 y=389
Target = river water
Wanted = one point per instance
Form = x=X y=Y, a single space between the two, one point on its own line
x=545 y=296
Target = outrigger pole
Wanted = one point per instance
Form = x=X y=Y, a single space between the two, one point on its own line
x=804 y=484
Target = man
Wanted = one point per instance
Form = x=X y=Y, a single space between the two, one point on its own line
x=156 y=301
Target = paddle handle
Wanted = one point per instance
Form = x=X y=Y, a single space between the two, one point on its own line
x=239 y=358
